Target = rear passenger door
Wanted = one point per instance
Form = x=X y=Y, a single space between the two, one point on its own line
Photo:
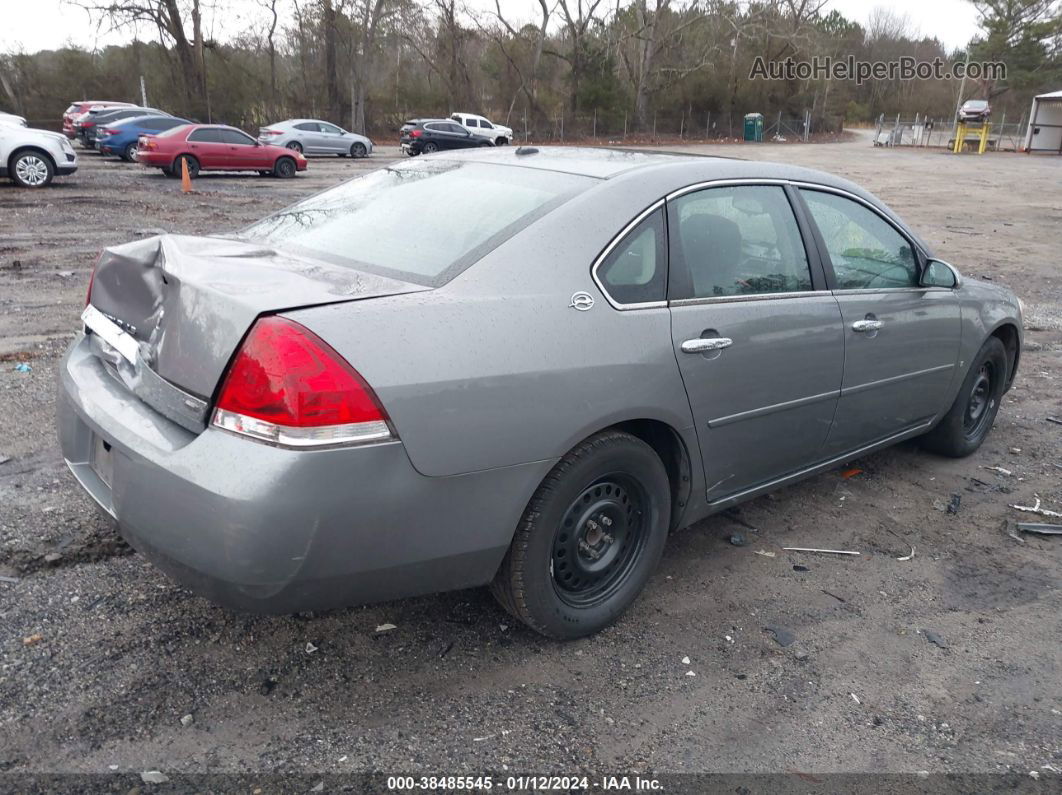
x=901 y=339
x=330 y=138
x=756 y=333
x=309 y=134
x=208 y=147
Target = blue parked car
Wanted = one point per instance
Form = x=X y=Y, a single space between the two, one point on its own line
x=120 y=138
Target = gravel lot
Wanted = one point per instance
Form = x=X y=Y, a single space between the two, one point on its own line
x=101 y=656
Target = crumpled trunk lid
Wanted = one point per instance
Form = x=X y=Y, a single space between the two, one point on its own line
x=189 y=301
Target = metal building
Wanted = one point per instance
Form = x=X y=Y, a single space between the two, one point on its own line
x=1045 y=124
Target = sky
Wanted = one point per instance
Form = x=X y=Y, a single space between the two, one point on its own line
x=32 y=25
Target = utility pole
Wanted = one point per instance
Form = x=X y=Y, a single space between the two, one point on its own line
x=143 y=93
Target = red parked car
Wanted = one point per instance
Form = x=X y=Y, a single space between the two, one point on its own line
x=215 y=147
x=84 y=106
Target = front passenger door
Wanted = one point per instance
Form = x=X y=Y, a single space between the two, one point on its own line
x=901 y=340
x=759 y=347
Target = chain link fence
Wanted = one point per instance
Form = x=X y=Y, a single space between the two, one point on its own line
x=929 y=132
x=618 y=126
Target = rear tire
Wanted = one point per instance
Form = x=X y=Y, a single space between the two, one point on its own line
x=193 y=166
x=970 y=418
x=295 y=146
x=589 y=539
x=284 y=168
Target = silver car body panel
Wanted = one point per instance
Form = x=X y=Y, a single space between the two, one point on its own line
x=488 y=380
x=331 y=140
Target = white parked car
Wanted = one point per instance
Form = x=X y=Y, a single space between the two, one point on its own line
x=484 y=128
x=32 y=157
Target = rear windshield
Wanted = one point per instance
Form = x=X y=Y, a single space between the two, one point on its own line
x=422 y=222
x=172 y=130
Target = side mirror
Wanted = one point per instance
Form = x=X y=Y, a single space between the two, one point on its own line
x=938 y=273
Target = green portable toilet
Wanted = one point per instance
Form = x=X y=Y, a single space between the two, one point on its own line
x=753 y=126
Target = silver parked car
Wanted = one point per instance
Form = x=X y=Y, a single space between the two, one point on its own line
x=315 y=137
x=528 y=387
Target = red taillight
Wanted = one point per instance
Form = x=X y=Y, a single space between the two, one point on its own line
x=289 y=387
x=415 y=133
x=270 y=132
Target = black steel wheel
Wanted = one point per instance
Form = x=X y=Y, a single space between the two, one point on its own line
x=966 y=424
x=589 y=538
x=598 y=540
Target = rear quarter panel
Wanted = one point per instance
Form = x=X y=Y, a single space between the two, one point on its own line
x=496 y=369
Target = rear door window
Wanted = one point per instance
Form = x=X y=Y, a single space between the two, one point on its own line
x=364 y=223
x=736 y=241
x=209 y=136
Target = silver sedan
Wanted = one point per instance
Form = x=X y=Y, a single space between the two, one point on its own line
x=315 y=137
x=586 y=351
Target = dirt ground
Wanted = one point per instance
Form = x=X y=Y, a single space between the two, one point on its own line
x=106 y=665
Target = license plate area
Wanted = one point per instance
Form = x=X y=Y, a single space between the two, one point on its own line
x=102 y=460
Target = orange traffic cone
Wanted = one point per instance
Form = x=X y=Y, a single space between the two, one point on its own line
x=186 y=181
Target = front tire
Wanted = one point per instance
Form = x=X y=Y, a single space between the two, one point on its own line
x=129 y=153
x=31 y=169
x=970 y=418
x=501 y=140
x=589 y=539
x=358 y=150
x=284 y=168
x=430 y=147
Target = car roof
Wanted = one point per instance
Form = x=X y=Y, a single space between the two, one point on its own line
x=596 y=162
x=656 y=172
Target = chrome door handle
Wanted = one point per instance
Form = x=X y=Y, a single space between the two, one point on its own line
x=867 y=325
x=703 y=345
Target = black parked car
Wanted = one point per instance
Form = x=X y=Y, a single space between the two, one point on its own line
x=431 y=135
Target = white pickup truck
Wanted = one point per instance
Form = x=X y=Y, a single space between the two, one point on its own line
x=31 y=158
x=484 y=128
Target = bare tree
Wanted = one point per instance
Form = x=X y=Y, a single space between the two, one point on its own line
x=169 y=18
x=508 y=40
x=651 y=32
x=577 y=24
x=367 y=18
